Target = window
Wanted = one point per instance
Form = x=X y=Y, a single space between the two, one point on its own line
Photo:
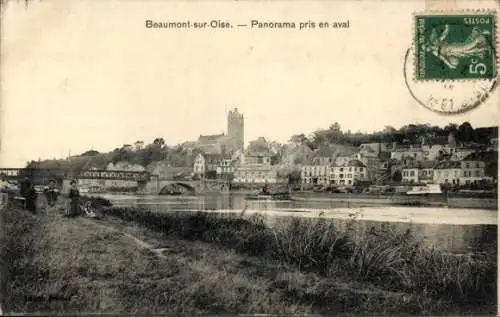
x=341 y=169
x=467 y=165
x=465 y=174
x=350 y=169
x=349 y=182
x=477 y=174
x=478 y=165
x=405 y=173
x=412 y=173
x=341 y=175
x=360 y=169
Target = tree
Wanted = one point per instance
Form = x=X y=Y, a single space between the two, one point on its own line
x=90 y=153
x=397 y=177
x=389 y=129
x=466 y=133
x=159 y=142
x=299 y=139
x=259 y=145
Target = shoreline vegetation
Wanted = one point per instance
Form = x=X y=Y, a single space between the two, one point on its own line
x=131 y=260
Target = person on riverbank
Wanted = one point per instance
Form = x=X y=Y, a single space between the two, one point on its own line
x=74 y=196
x=51 y=193
x=89 y=210
x=24 y=189
x=31 y=198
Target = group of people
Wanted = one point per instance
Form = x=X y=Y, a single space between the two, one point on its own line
x=30 y=197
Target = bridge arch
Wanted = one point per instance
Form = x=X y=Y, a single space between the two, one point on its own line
x=176 y=188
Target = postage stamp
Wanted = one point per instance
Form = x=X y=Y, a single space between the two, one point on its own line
x=452 y=65
x=455 y=46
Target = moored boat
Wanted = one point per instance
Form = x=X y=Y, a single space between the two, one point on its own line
x=429 y=189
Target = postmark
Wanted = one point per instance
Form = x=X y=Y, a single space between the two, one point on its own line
x=452 y=66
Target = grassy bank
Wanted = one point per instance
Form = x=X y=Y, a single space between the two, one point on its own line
x=213 y=264
x=382 y=258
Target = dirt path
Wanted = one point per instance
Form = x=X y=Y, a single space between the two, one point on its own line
x=142 y=244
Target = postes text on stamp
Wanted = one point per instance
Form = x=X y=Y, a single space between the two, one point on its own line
x=455 y=46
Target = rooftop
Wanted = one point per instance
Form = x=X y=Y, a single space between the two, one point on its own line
x=485 y=156
x=447 y=165
x=213 y=137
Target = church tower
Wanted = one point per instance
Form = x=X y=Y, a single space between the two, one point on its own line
x=235 y=130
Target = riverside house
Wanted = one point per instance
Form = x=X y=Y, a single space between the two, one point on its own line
x=349 y=173
x=473 y=169
x=418 y=172
x=315 y=174
x=447 y=172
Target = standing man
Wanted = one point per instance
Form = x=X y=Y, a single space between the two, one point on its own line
x=25 y=189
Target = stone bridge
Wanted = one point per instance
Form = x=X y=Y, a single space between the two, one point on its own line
x=165 y=186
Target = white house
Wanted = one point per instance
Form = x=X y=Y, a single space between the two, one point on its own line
x=473 y=169
x=447 y=172
x=348 y=174
x=315 y=174
x=199 y=165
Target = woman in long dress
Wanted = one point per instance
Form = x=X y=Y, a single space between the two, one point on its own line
x=74 y=196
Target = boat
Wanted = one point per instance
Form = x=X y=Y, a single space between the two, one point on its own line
x=267 y=196
x=429 y=189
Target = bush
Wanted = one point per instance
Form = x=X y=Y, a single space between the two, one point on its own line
x=393 y=260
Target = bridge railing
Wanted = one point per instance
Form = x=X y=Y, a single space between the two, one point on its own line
x=45 y=174
x=114 y=175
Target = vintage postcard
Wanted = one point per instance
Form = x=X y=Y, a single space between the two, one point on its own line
x=249 y=157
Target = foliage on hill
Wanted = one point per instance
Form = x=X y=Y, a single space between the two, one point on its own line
x=183 y=155
x=408 y=134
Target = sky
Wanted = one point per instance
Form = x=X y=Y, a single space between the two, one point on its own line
x=80 y=75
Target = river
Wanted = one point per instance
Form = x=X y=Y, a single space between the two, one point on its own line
x=452 y=229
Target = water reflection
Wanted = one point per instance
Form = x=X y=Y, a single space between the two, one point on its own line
x=449 y=229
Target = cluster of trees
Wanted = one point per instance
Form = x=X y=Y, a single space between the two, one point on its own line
x=183 y=155
x=408 y=134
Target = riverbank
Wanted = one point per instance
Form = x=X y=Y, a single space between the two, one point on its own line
x=453 y=201
x=135 y=261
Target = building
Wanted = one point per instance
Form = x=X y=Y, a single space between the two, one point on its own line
x=348 y=174
x=414 y=151
x=447 y=172
x=296 y=155
x=376 y=148
x=426 y=171
x=255 y=168
x=410 y=173
x=235 y=131
x=205 y=166
x=256 y=159
x=225 y=170
x=315 y=174
x=434 y=151
x=138 y=145
x=224 y=143
x=199 y=165
x=459 y=153
x=473 y=169
x=212 y=144
x=324 y=156
x=256 y=174
x=418 y=172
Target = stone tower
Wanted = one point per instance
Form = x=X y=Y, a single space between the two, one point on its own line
x=235 y=130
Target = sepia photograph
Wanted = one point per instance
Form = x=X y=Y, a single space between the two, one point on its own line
x=326 y=158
